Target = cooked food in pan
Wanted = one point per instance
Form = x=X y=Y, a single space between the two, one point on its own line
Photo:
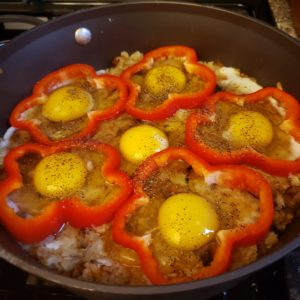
x=260 y=129
x=164 y=80
x=183 y=227
x=162 y=170
x=69 y=103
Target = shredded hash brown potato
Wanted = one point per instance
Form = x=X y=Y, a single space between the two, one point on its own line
x=92 y=255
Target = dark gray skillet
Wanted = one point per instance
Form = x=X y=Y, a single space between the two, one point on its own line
x=256 y=48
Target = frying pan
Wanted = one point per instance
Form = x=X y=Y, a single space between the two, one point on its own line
x=256 y=48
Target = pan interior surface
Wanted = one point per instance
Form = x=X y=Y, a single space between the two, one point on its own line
x=255 y=48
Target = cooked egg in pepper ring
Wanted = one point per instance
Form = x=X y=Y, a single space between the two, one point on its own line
x=253 y=126
x=183 y=215
x=65 y=110
x=59 y=176
x=67 y=103
x=165 y=77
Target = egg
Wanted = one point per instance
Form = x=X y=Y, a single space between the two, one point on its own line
x=187 y=221
x=67 y=103
x=59 y=175
x=249 y=129
x=162 y=80
x=232 y=80
x=139 y=142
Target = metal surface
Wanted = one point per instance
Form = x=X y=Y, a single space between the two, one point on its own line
x=255 y=48
x=20 y=18
x=257 y=8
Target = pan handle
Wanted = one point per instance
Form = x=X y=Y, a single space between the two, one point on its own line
x=21 y=19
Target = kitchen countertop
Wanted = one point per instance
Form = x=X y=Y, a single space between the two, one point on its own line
x=282 y=14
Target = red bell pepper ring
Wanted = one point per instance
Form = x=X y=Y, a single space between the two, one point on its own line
x=236 y=177
x=62 y=77
x=175 y=101
x=250 y=157
x=71 y=210
x=80 y=215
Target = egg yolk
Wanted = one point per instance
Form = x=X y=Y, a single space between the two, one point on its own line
x=187 y=221
x=67 y=103
x=249 y=129
x=59 y=175
x=162 y=80
x=139 y=142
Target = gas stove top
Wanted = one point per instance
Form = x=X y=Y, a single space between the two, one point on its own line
x=51 y=8
x=280 y=281
x=18 y=16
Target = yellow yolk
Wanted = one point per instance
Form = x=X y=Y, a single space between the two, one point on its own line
x=67 y=103
x=249 y=129
x=187 y=221
x=59 y=175
x=137 y=143
x=162 y=80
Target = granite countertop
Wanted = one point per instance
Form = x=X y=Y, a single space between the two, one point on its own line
x=283 y=18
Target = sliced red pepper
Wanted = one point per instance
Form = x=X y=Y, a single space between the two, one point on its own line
x=35 y=229
x=174 y=101
x=62 y=77
x=236 y=177
x=80 y=215
x=250 y=157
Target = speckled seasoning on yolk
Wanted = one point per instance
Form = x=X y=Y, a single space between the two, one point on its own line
x=59 y=175
x=249 y=129
x=67 y=103
x=162 y=80
x=187 y=221
x=139 y=142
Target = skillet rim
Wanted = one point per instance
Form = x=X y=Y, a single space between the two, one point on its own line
x=73 y=283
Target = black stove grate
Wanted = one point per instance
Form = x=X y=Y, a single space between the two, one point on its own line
x=49 y=9
x=257 y=8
